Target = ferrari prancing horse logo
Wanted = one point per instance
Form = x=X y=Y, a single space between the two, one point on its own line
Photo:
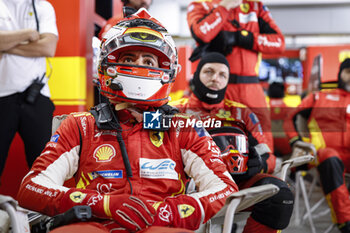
x=156 y=137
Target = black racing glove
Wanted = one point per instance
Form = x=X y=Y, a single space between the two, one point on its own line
x=254 y=166
x=245 y=39
x=223 y=42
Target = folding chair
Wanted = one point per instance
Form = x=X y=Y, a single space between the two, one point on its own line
x=56 y=122
x=239 y=201
x=223 y=220
x=306 y=195
x=16 y=220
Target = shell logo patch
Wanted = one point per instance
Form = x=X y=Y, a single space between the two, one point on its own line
x=245 y=7
x=185 y=210
x=156 y=137
x=77 y=196
x=104 y=153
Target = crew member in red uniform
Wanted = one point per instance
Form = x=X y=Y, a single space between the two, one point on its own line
x=241 y=30
x=279 y=111
x=207 y=101
x=328 y=115
x=131 y=177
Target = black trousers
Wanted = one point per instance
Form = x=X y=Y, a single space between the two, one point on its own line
x=33 y=122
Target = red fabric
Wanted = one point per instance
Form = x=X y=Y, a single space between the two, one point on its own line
x=93 y=227
x=330 y=110
x=119 y=207
x=279 y=111
x=182 y=211
x=253 y=226
x=86 y=227
x=156 y=229
x=158 y=162
x=339 y=198
x=230 y=113
x=206 y=19
x=252 y=95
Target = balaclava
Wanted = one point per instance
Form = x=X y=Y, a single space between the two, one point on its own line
x=345 y=64
x=199 y=89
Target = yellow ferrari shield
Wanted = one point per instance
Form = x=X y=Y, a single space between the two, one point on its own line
x=156 y=137
x=185 y=210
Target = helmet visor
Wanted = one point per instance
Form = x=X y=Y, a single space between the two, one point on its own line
x=227 y=141
x=143 y=37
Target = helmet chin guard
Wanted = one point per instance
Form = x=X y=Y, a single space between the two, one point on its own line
x=134 y=83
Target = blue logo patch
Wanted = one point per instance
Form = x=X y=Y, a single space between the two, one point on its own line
x=108 y=174
x=158 y=169
x=254 y=118
x=54 y=138
x=151 y=120
x=166 y=164
x=201 y=131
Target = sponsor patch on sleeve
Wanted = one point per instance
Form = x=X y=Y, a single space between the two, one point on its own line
x=77 y=196
x=201 y=131
x=54 y=138
x=254 y=118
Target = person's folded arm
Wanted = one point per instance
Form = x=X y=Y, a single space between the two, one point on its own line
x=44 y=47
x=10 y=39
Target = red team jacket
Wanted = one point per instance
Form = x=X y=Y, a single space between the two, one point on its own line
x=328 y=118
x=279 y=112
x=206 y=19
x=230 y=113
x=161 y=163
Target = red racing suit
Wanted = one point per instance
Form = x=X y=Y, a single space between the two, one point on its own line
x=328 y=117
x=229 y=113
x=279 y=112
x=161 y=163
x=206 y=19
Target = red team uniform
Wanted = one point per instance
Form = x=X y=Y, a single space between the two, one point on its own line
x=255 y=32
x=329 y=126
x=132 y=177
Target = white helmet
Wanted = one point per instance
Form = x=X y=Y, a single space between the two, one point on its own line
x=133 y=83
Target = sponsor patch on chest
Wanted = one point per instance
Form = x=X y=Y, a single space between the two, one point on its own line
x=104 y=153
x=332 y=97
x=247 y=18
x=109 y=174
x=158 y=169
